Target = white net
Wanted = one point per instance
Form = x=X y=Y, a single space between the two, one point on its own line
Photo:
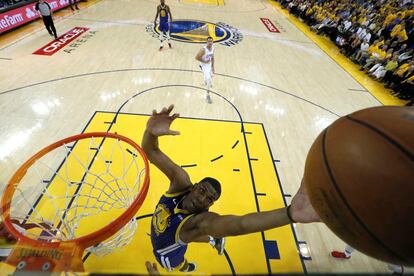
x=79 y=188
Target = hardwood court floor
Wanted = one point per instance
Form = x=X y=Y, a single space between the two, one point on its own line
x=283 y=84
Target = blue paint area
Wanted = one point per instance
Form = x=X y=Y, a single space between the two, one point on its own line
x=271 y=250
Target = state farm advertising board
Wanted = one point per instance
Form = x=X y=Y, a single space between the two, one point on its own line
x=14 y=18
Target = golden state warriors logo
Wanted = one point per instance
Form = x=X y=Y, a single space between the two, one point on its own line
x=195 y=31
x=161 y=219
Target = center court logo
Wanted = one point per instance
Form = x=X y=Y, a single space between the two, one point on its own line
x=196 y=31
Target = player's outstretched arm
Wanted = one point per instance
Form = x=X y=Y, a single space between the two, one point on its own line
x=215 y=225
x=158 y=125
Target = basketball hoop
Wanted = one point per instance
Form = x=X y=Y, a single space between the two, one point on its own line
x=87 y=204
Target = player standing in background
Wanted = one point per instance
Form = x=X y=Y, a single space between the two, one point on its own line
x=164 y=12
x=206 y=58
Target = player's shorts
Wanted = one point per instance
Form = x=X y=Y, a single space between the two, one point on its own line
x=171 y=260
x=164 y=27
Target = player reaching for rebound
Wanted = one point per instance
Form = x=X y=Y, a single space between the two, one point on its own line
x=182 y=214
x=206 y=58
x=164 y=12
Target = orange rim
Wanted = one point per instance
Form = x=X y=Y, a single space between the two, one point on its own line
x=92 y=238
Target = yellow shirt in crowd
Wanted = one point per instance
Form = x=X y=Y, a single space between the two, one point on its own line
x=389 y=18
x=402 y=69
x=399 y=31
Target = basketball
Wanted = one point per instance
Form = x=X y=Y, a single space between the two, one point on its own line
x=359 y=175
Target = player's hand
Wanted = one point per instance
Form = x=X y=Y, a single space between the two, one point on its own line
x=152 y=268
x=301 y=208
x=159 y=123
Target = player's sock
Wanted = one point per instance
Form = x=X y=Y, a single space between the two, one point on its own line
x=167 y=34
x=161 y=41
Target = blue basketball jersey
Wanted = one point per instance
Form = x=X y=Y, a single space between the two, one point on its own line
x=164 y=26
x=165 y=228
x=163 y=14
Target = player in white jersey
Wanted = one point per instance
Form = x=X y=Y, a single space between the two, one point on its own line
x=206 y=58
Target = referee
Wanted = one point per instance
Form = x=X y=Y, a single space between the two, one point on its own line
x=46 y=13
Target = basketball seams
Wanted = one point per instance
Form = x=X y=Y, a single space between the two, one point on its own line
x=383 y=135
x=341 y=195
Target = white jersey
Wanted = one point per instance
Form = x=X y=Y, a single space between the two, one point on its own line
x=208 y=54
x=207 y=68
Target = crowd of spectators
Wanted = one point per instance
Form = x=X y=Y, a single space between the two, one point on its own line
x=376 y=34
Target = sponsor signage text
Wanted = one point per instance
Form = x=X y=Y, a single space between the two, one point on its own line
x=269 y=25
x=61 y=41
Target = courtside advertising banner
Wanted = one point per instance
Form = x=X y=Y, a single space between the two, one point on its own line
x=14 y=18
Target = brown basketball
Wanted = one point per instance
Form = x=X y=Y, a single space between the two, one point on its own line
x=359 y=175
